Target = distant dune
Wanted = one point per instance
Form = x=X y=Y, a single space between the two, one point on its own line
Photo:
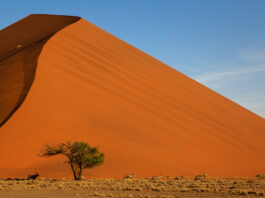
x=62 y=78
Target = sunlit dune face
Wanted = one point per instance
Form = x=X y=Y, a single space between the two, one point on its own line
x=146 y=117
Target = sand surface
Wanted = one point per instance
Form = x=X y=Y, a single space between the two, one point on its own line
x=147 y=118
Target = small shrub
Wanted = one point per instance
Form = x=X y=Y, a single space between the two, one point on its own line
x=260 y=176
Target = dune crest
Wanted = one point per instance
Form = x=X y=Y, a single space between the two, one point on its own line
x=21 y=44
x=145 y=116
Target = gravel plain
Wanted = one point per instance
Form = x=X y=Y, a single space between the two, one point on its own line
x=157 y=187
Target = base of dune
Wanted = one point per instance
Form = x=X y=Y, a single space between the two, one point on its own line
x=143 y=188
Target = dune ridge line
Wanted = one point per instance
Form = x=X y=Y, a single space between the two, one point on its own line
x=22 y=42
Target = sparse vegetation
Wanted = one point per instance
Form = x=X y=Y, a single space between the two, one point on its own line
x=148 y=187
x=80 y=155
x=129 y=176
x=201 y=177
x=261 y=176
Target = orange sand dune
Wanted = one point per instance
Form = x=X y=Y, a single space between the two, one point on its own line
x=147 y=118
x=21 y=44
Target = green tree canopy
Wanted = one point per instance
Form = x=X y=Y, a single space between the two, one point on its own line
x=80 y=155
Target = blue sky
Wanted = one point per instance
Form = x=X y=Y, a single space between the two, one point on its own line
x=220 y=43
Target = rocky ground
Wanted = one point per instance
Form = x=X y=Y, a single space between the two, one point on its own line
x=160 y=187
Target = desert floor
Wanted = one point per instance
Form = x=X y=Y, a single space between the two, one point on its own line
x=200 y=186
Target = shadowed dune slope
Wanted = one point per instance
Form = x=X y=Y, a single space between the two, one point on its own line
x=21 y=44
x=147 y=118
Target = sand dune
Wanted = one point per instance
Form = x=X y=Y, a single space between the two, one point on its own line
x=147 y=118
x=21 y=44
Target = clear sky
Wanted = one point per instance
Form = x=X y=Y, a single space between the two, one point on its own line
x=220 y=43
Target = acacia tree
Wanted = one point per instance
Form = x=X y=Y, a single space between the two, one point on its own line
x=80 y=155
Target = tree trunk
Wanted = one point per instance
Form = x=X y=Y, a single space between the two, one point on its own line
x=80 y=173
x=74 y=171
x=77 y=171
